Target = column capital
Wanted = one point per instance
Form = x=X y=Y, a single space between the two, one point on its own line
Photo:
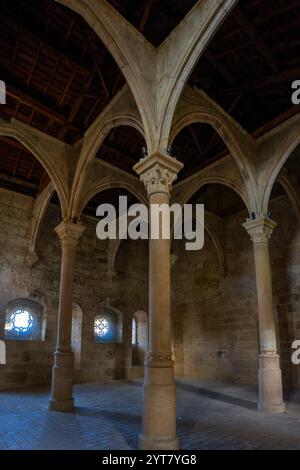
x=158 y=172
x=69 y=233
x=260 y=229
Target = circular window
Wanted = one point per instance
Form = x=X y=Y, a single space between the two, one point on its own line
x=107 y=327
x=102 y=327
x=20 y=322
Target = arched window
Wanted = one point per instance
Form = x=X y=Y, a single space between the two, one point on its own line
x=76 y=335
x=134 y=331
x=139 y=338
x=108 y=326
x=20 y=322
x=2 y=92
x=24 y=321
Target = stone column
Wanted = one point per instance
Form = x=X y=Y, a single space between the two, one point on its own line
x=269 y=373
x=63 y=369
x=158 y=172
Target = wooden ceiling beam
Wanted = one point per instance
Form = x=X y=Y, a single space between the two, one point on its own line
x=102 y=80
x=277 y=121
x=12 y=143
x=257 y=40
x=87 y=82
x=118 y=153
x=34 y=64
x=168 y=12
x=13 y=59
x=260 y=82
x=287 y=8
x=145 y=16
x=98 y=61
x=68 y=33
x=215 y=137
x=92 y=110
x=219 y=67
x=17 y=181
x=44 y=181
x=38 y=106
x=21 y=29
x=67 y=87
x=49 y=82
x=76 y=105
x=17 y=162
x=34 y=162
x=118 y=82
x=196 y=141
x=3 y=160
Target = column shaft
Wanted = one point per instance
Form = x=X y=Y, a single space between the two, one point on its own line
x=269 y=372
x=159 y=419
x=65 y=294
x=63 y=369
x=159 y=288
x=267 y=332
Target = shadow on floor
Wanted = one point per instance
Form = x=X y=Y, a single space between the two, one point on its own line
x=112 y=416
x=250 y=405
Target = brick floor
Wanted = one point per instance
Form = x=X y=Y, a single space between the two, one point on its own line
x=108 y=416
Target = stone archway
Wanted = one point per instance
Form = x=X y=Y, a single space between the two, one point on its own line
x=49 y=153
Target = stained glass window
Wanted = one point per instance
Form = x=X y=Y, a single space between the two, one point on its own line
x=19 y=323
x=102 y=327
x=108 y=326
x=134 y=335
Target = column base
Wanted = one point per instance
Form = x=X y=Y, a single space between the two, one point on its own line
x=146 y=443
x=270 y=384
x=271 y=408
x=62 y=382
x=61 y=405
x=159 y=418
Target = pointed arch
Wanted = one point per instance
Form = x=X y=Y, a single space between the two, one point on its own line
x=285 y=139
x=197 y=107
x=121 y=111
x=292 y=189
x=181 y=51
x=196 y=185
x=110 y=184
x=135 y=56
x=50 y=158
x=39 y=210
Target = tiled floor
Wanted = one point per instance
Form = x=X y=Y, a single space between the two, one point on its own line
x=108 y=416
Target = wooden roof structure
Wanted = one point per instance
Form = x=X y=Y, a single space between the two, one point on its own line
x=60 y=76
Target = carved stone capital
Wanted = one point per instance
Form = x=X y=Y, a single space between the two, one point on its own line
x=260 y=229
x=69 y=233
x=158 y=172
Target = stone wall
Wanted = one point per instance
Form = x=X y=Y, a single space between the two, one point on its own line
x=215 y=317
x=285 y=258
x=29 y=362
